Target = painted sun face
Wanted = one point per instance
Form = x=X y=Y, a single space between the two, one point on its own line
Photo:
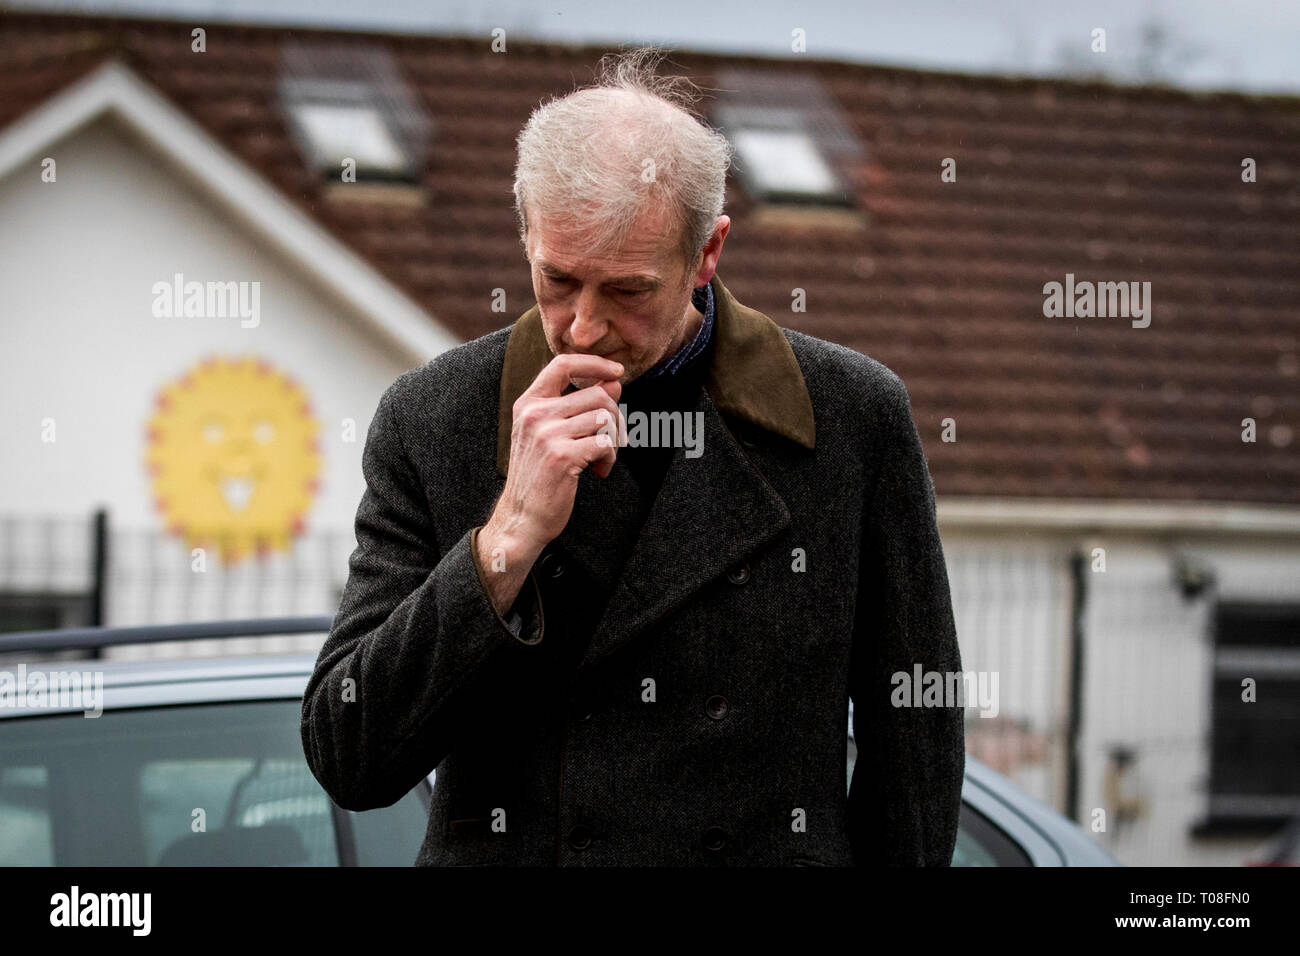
x=234 y=457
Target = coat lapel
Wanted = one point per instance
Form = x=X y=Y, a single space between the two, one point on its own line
x=711 y=513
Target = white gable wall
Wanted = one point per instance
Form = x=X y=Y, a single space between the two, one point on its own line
x=78 y=261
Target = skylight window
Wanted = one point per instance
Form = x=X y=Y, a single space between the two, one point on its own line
x=349 y=103
x=790 y=136
x=780 y=163
x=339 y=131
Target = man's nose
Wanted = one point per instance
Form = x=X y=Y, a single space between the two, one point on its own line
x=587 y=328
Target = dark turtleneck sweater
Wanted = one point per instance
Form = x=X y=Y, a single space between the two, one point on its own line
x=672 y=385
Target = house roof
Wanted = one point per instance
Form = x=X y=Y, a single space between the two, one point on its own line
x=241 y=193
x=941 y=281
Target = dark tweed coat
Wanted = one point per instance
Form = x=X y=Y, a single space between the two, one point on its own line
x=705 y=721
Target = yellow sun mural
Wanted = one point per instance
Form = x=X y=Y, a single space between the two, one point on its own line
x=233 y=457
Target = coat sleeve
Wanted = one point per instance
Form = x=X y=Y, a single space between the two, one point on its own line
x=905 y=794
x=414 y=643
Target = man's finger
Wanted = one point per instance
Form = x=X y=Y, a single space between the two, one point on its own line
x=561 y=370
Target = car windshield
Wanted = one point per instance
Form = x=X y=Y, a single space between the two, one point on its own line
x=220 y=784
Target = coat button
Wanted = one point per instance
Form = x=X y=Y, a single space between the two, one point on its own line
x=580 y=837
x=551 y=566
x=714 y=839
x=716 y=707
x=747 y=440
x=739 y=574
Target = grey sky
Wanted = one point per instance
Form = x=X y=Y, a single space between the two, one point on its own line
x=1242 y=44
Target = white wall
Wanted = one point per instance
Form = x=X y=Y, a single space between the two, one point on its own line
x=78 y=260
x=1011 y=603
x=79 y=344
x=1147 y=669
x=1149 y=661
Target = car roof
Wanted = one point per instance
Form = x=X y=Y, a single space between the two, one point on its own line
x=169 y=681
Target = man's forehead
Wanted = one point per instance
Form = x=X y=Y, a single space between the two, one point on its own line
x=634 y=262
x=647 y=254
x=609 y=272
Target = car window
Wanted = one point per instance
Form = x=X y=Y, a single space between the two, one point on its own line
x=25 y=832
x=982 y=843
x=220 y=784
x=391 y=836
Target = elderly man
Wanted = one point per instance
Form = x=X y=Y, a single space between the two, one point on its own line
x=614 y=649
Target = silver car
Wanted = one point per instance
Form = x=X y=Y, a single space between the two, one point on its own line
x=200 y=763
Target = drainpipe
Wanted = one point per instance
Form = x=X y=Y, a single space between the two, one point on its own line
x=1079 y=596
x=98 y=571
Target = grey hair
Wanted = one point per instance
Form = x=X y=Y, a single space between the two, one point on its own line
x=598 y=158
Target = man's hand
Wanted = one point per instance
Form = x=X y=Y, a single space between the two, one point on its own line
x=554 y=438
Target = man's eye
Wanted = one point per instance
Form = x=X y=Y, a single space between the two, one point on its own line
x=630 y=292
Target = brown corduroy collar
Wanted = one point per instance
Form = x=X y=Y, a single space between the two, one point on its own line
x=754 y=374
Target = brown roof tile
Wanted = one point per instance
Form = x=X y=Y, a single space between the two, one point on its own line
x=944 y=284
